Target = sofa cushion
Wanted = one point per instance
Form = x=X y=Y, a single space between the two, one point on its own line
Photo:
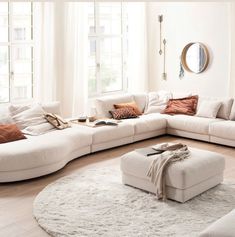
x=104 y=104
x=10 y=133
x=224 y=227
x=224 y=129
x=52 y=107
x=140 y=99
x=156 y=101
x=209 y=109
x=25 y=116
x=232 y=114
x=108 y=133
x=131 y=105
x=123 y=113
x=148 y=123
x=46 y=149
x=190 y=123
x=225 y=108
x=187 y=105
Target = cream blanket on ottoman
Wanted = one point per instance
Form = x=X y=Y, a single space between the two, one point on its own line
x=157 y=169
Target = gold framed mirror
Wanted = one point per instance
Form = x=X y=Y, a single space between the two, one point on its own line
x=195 y=57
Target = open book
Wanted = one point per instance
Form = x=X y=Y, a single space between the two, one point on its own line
x=109 y=122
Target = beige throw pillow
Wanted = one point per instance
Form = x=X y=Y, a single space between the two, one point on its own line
x=30 y=119
x=225 y=109
x=209 y=109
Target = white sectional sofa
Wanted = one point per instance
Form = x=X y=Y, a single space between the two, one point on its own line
x=44 y=154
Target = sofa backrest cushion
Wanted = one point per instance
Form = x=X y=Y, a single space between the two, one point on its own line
x=5 y=117
x=225 y=108
x=141 y=99
x=105 y=104
x=52 y=107
x=232 y=114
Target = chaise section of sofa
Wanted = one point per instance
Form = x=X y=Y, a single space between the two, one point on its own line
x=190 y=126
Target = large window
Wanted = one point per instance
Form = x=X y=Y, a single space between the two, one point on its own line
x=107 y=48
x=16 y=51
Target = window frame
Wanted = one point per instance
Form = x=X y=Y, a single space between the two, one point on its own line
x=10 y=44
x=97 y=35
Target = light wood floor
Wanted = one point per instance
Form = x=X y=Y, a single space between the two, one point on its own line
x=16 y=199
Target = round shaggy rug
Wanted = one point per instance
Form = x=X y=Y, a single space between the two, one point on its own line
x=96 y=203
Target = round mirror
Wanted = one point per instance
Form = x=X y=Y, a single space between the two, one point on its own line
x=195 y=57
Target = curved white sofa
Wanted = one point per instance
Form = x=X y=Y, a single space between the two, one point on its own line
x=44 y=154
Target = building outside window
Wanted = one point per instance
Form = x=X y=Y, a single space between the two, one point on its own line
x=16 y=51
x=107 y=48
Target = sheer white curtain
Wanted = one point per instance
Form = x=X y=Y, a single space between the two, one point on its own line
x=137 y=47
x=61 y=42
x=45 y=71
x=75 y=59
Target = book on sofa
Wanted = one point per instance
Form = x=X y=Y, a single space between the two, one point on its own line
x=108 y=122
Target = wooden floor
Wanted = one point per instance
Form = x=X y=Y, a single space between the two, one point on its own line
x=16 y=199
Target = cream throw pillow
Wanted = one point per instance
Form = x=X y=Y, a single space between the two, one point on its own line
x=209 y=109
x=30 y=119
x=225 y=109
x=157 y=101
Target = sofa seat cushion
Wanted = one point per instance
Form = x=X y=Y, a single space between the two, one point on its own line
x=223 y=227
x=224 y=129
x=148 y=123
x=190 y=123
x=108 y=133
x=200 y=166
x=46 y=149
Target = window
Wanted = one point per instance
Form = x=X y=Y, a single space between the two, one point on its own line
x=107 y=48
x=16 y=51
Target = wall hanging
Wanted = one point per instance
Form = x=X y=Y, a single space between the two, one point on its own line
x=162 y=51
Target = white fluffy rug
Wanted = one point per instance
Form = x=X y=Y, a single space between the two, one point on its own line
x=95 y=203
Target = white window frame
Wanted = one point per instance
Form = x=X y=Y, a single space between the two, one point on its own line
x=10 y=44
x=97 y=36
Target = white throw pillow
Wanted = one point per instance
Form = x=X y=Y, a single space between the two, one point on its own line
x=29 y=118
x=157 y=101
x=225 y=109
x=209 y=109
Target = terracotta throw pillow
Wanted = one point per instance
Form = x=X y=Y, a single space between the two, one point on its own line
x=123 y=113
x=131 y=104
x=186 y=106
x=10 y=133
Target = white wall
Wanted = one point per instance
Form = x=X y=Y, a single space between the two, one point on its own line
x=208 y=23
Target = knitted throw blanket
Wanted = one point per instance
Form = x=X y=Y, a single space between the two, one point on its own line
x=157 y=169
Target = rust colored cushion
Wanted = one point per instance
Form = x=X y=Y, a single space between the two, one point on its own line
x=187 y=105
x=123 y=113
x=131 y=104
x=10 y=133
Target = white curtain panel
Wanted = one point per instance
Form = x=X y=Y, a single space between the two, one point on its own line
x=61 y=40
x=137 y=62
x=44 y=60
x=75 y=91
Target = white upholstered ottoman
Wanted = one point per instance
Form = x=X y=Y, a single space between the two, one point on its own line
x=184 y=179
